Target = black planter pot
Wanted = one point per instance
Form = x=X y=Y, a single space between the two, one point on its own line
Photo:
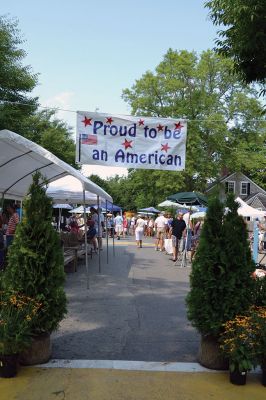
x=8 y=365
x=238 y=378
x=263 y=378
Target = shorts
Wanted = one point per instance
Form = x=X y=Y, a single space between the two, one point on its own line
x=175 y=241
x=160 y=233
x=139 y=234
x=119 y=229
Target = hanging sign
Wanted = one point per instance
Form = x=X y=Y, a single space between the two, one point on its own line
x=131 y=142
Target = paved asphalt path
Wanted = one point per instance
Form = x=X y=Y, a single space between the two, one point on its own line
x=134 y=310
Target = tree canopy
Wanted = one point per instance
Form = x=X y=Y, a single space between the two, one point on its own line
x=16 y=80
x=225 y=126
x=18 y=108
x=244 y=36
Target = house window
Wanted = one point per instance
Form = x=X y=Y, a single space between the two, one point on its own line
x=244 y=188
x=230 y=187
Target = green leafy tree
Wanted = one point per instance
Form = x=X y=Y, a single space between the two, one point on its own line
x=51 y=133
x=221 y=284
x=100 y=182
x=35 y=259
x=18 y=109
x=16 y=80
x=244 y=36
x=225 y=115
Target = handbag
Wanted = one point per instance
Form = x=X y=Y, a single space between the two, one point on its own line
x=168 y=246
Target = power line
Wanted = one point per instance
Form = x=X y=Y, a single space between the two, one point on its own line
x=75 y=111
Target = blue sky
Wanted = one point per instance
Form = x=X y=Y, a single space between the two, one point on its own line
x=87 y=52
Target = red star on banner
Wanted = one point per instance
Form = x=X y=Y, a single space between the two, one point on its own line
x=160 y=127
x=109 y=120
x=141 y=122
x=178 y=125
x=127 y=143
x=165 y=147
x=87 y=121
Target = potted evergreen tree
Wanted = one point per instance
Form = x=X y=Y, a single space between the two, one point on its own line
x=36 y=268
x=221 y=284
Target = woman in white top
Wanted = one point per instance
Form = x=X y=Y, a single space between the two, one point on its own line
x=139 y=230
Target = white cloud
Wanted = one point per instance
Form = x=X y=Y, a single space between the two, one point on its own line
x=62 y=101
x=103 y=171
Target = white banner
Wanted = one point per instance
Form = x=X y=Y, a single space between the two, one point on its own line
x=131 y=142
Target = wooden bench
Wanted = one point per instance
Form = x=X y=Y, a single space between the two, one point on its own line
x=70 y=260
x=74 y=249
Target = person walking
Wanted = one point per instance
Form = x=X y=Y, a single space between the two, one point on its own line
x=160 y=225
x=139 y=231
x=118 y=220
x=177 y=231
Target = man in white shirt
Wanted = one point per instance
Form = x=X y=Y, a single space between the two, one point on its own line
x=160 y=225
x=118 y=220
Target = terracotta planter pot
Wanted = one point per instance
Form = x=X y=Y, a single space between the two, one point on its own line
x=8 y=365
x=39 y=352
x=209 y=354
x=238 y=378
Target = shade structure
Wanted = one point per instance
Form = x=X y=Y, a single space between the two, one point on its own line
x=247 y=211
x=199 y=214
x=195 y=198
x=20 y=158
x=149 y=209
x=169 y=203
x=112 y=207
x=80 y=210
x=63 y=206
x=66 y=195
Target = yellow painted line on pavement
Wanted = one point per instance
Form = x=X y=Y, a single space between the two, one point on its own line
x=126 y=243
x=34 y=383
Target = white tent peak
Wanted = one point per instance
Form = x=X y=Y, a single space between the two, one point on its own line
x=20 y=158
x=247 y=211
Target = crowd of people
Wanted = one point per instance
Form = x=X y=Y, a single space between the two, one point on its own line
x=172 y=234
x=167 y=230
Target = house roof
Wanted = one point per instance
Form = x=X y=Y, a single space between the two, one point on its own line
x=223 y=178
x=259 y=195
x=219 y=180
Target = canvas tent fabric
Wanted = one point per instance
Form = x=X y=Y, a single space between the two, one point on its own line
x=63 y=206
x=66 y=195
x=195 y=198
x=20 y=158
x=150 y=209
x=247 y=211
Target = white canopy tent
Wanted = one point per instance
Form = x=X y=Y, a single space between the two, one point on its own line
x=20 y=159
x=247 y=211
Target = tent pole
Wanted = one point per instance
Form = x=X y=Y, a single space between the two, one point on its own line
x=255 y=242
x=106 y=232
x=59 y=225
x=113 y=230
x=99 y=227
x=86 y=242
x=184 y=258
x=2 y=201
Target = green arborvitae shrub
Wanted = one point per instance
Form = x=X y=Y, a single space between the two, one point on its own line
x=35 y=259
x=220 y=281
